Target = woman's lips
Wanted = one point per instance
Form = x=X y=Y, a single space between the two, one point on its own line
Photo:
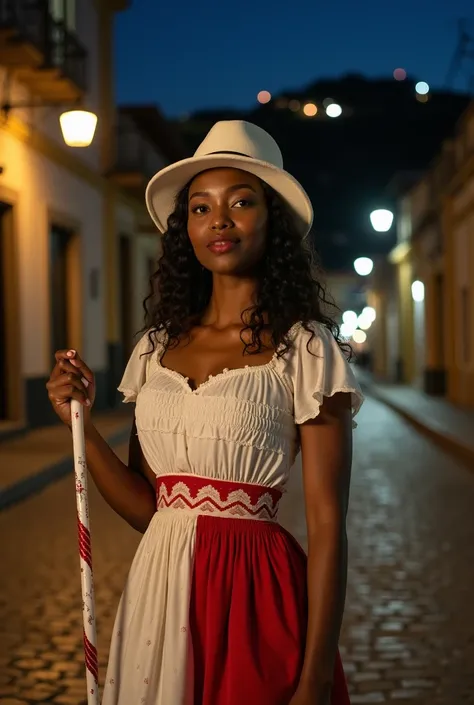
x=220 y=247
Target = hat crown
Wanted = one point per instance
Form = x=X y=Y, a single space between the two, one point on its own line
x=240 y=137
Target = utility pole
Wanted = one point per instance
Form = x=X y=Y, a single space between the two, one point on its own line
x=463 y=57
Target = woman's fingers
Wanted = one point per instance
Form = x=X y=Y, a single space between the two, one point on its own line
x=66 y=366
x=69 y=362
x=67 y=386
x=70 y=379
x=80 y=365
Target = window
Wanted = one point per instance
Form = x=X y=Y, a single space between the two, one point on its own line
x=465 y=325
x=60 y=252
x=3 y=323
x=64 y=11
x=459 y=149
x=64 y=16
x=126 y=295
x=440 y=317
x=470 y=133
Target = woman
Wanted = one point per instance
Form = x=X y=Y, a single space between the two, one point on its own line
x=238 y=369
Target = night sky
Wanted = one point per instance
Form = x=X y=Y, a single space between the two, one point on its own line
x=187 y=55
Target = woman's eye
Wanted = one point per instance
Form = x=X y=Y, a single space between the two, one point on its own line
x=242 y=203
x=199 y=210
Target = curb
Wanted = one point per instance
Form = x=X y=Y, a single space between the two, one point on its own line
x=445 y=440
x=34 y=484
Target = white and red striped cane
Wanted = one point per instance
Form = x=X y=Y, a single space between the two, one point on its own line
x=87 y=580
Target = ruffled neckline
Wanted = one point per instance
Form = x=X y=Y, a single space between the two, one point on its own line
x=226 y=372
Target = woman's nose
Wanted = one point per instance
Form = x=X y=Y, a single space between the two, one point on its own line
x=222 y=221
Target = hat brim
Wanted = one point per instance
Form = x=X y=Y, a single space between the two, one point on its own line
x=163 y=188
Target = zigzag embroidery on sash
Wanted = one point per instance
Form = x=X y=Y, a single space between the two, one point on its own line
x=208 y=499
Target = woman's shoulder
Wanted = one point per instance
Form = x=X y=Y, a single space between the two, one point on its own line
x=308 y=345
x=318 y=367
x=137 y=370
x=150 y=341
x=311 y=334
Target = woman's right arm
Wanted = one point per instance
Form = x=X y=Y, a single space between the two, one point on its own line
x=124 y=487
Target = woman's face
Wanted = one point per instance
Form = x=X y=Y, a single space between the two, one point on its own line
x=227 y=220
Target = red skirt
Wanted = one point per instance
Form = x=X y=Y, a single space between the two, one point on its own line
x=248 y=614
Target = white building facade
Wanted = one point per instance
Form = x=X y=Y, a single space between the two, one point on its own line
x=75 y=237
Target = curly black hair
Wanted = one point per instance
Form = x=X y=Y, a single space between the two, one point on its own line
x=290 y=289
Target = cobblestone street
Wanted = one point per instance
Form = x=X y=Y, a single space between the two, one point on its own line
x=408 y=634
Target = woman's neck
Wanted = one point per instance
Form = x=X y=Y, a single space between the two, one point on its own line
x=230 y=297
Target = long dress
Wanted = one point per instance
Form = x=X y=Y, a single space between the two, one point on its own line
x=214 y=611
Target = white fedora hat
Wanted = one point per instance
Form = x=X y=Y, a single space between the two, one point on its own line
x=240 y=145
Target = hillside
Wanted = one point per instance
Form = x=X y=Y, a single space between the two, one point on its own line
x=346 y=163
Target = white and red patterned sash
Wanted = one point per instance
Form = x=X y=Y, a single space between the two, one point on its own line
x=220 y=498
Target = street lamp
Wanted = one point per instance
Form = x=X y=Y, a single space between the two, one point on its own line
x=346 y=330
x=264 y=97
x=333 y=110
x=310 y=109
x=349 y=318
x=418 y=291
x=78 y=127
x=349 y=323
x=370 y=313
x=381 y=220
x=363 y=266
x=364 y=322
x=359 y=336
x=422 y=88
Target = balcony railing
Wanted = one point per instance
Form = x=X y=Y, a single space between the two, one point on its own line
x=66 y=53
x=31 y=22
x=136 y=159
x=24 y=20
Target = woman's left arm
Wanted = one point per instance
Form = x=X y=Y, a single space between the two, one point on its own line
x=326 y=448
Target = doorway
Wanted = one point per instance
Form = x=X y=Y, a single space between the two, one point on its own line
x=440 y=320
x=125 y=294
x=419 y=343
x=11 y=393
x=4 y=400
x=63 y=271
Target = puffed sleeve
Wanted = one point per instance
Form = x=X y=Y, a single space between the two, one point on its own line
x=135 y=374
x=320 y=370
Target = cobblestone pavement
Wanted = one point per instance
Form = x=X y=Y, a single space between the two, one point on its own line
x=408 y=634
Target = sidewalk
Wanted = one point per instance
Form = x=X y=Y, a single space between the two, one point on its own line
x=30 y=462
x=450 y=426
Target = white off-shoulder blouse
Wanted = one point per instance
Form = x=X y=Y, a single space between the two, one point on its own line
x=239 y=425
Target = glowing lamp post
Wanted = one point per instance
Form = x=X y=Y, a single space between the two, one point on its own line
x=359 y=336
x=418 y=291
x=381 y=220
x=78 y=127
x=333 y=110
x=349 y=323
x=363 y=266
